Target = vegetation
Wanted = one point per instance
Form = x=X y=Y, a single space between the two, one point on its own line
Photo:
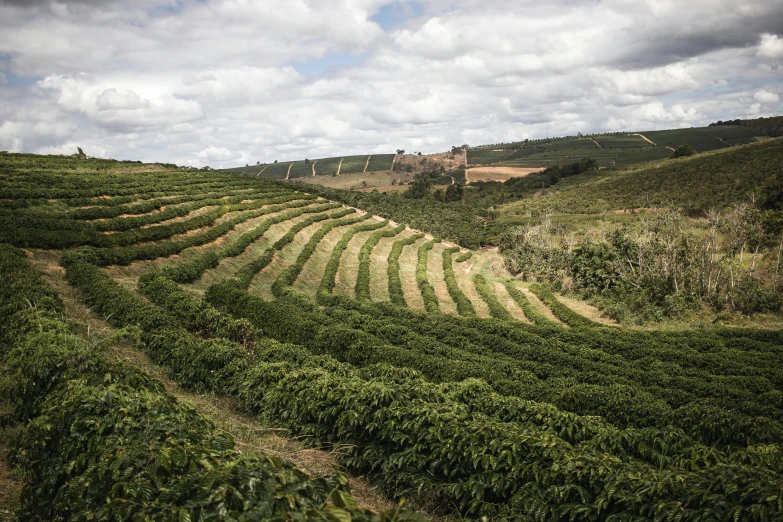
x=469 y=416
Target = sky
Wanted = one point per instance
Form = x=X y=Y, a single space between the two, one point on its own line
x=231 y=82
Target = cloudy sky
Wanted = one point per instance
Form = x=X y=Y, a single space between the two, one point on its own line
x=230 y=82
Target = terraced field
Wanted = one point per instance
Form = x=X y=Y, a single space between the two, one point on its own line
x=439 y=377
x=614 y=149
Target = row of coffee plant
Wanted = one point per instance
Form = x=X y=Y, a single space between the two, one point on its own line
x=102 y=441
x=464 y=306
x=396 y=294
x=362 y=288
x=472 y=449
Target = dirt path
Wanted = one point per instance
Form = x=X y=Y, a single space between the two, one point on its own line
x=316 y=161
x=287 y=174
x=394 y=160
x=366 y=163
x=597 y=144
x=339 y=166
x=645 y=138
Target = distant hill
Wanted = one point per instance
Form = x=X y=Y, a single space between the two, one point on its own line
x=609 y=150
x=712 y=179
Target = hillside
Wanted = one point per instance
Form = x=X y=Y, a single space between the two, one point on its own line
x=503 y=161
x=712 y=179
x=441 y=378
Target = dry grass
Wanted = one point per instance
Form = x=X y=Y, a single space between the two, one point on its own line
x=345 y=282
x=379 y=267
x=498 y=173
x=360 y=180
x=506 y=300
x=435 y=278
x=262 y=283
x=538 y=305
x=248 y=433
x=408 y=260
x=464 y=273
x=313 y=270
x=586 y=310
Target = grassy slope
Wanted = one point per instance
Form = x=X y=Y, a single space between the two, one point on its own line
x=710 y=179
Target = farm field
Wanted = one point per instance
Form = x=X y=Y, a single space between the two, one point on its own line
x=614 y=149
x=441 y=379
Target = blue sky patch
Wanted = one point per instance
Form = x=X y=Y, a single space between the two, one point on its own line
x=328 y=64
x=394 y=14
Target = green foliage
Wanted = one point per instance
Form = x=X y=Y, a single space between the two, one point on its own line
x=464 y=257
x=396 y=294
x=330 y=273
x=560 y=310
x=102 y=441
x=362 y=288
x=464 y=306
x=427 y=292
x=496 y=310
x=287 y=277
x=683 y=151
x=245 y=275
x=529 y=310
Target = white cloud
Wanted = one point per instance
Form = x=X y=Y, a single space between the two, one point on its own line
x=237 y=80
x=763 y=96
x=111 y=99
x=771 y=46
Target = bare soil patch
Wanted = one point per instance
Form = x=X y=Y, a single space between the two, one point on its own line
x=498 y=173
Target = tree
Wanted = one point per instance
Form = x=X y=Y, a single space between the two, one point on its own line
x=400 y=152
x=684 y=151
x=454 y=192
x=307 y=161
x=419 y=188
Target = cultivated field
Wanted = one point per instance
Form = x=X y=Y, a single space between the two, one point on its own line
x=498 y=173
x=422 y=365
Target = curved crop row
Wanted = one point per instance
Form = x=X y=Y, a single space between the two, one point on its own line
x=330 y=273
x=464 y=257
x=246 y=273
x=464 y=306
x=192 y=270
x=396 y=295
x=560 y=310
x=496 y=310
x=29 y=232
x=127 y=255
x=427 y=292
x=527 y=307
x=288 y=277
x=396 y=423
x=573 y=377
x=362 y=289
x=101 y=441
